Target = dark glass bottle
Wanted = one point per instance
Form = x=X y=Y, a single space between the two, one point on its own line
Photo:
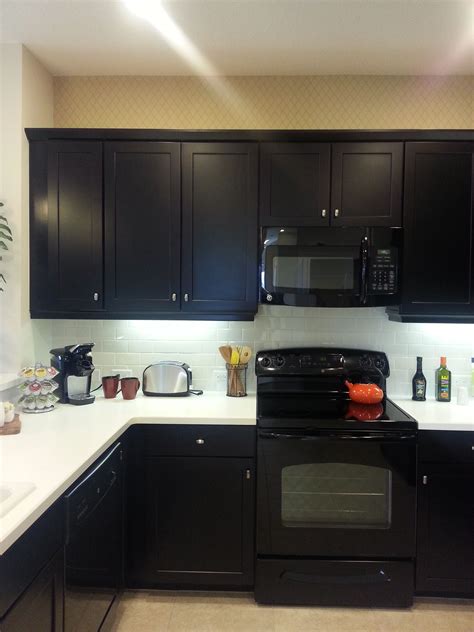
x=419 y=382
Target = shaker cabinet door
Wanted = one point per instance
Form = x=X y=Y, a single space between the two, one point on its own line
x=294 y=184
x=445 y=551
x=198 y=527
x=438 y=219
x=219 y=235
x=142 y=226
x=75 y=217
x=367 y=184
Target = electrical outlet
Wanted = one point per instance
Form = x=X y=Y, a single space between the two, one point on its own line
x=122 y=372
x=220 y=379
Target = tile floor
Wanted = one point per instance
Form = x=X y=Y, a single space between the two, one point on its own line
x=238 y=612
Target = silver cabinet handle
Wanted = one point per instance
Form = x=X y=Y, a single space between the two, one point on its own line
x=96 y=296
x=200 y=441
x=336 y=212
x=174 y=296
x=425 y=480
x=186 y=297
x=323 y=213
x=247 y=474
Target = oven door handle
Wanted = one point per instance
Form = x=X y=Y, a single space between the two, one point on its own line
x=344 y=436
x=305 y=578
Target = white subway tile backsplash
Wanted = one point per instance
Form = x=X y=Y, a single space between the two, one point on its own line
x=135 y=344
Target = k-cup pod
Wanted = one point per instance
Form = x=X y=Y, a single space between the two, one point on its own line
x=52 y=372
x=29 y=402
x=41 y=373
x=34 y=388
x=41 y=402
x=28 y=373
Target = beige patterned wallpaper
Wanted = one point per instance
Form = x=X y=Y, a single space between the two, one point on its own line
x=321 y=102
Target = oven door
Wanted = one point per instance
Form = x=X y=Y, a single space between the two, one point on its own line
x=336 y=493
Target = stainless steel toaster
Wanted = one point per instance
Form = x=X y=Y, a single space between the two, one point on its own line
x=168 y=379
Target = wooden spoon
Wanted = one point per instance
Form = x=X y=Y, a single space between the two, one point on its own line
x=226 y=353
x=245 y=355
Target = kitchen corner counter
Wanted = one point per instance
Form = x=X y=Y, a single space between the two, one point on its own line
x=55 y=448
x=434 y=415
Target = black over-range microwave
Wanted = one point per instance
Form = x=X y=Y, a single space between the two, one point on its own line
x=330 y=266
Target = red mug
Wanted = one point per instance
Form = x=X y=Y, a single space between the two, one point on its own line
x=110 y=385
x=130 y=386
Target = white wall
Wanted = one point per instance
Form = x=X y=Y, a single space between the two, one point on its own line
x=37 y=111
x=26 y=99
x=11 y=195
x=135 y=344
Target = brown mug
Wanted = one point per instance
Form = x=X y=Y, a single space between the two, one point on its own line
x=130 y=386
x=110 y=385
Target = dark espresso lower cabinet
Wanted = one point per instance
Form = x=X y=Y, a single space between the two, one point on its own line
x=40 y=608
x=191 y=517
x=445 y=547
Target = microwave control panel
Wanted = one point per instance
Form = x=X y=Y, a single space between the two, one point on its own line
x=383 y=271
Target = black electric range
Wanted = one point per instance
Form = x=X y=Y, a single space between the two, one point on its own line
x=336 y=482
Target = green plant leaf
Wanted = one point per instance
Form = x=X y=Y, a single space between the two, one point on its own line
x=2 y=277
x=5 y=227
x=2 y=204
x=3 y=246
x=4 y=235
x=3 y=219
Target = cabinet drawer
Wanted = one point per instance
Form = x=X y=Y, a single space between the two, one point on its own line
x=445 y=446
x=198 y=440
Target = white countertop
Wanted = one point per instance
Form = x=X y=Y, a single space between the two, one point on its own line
x=434 y=415
x=54 y=449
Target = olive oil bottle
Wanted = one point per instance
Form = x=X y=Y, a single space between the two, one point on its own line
x=419 y=382
x=443 y=382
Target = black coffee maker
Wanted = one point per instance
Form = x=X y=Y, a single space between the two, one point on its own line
x=75 y=367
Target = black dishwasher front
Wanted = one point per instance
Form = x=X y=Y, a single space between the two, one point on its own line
x=94 y=551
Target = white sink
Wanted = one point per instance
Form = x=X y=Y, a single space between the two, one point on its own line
x=12 y=493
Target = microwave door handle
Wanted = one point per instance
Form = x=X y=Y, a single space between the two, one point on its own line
x=364 y=268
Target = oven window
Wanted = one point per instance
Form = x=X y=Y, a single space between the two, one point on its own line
x=336 y=495
x=313 y=273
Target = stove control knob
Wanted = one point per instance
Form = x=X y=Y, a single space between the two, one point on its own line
x=380 y=363
x=365 y=362
x=265 y=362
x=279 y=361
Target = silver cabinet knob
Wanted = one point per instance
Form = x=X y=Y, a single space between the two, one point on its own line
x=336 y=212
x=186 y=297
x=200 y=441
x=96 y=296
x=174 y=296
x=323 y=213
x=425 y=480
x=247 y=474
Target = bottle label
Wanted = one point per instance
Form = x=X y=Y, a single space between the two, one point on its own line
x=419 y=388
x=444 y=388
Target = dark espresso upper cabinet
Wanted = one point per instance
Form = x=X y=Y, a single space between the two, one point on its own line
x=294 y=184
x=142 y=226
x=219 y=212
x=74 y=275
x=438 y=218
x=366 y=184
x=338 y=184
